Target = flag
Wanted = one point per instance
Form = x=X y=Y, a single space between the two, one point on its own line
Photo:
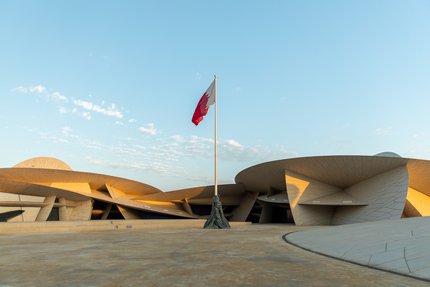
x=206 y=100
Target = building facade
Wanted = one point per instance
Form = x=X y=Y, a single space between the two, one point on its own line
x=321 y=190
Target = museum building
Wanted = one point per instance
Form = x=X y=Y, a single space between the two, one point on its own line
x=319 y=190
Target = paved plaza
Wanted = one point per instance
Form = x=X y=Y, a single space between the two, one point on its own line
x=247 y=255
x=400 y=245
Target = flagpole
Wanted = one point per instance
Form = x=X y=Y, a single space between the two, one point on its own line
x=216 y=219
x=216 y=143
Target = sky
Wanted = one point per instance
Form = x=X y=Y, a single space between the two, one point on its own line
x=110 y=86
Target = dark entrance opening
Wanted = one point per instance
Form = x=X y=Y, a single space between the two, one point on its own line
x=279 y=214
x=255 y=214
x=99 y=208
x=282 y=214
x=114 y=213
x=54 y=215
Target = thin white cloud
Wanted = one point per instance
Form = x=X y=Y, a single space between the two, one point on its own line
x=383 y=131
x=38 y=89
x=148 y=129
x=56 y=96
x=111 y=111
x=60 y=140
x=177 y=138
x=41 y=90
x=66 y=131
x=230 y=150
x=85 y=115
x=234 y=144
x=132 y=121
x=156 y=167
x=79 y=107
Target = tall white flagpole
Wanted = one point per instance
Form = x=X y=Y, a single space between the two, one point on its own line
x=216 y=219
x=216 y=143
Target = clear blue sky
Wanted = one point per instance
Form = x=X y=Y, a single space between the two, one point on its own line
x=110 y=86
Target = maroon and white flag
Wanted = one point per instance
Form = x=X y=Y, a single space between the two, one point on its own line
x=202 y=108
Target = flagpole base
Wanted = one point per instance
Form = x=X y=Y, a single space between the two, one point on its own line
x=217 y=219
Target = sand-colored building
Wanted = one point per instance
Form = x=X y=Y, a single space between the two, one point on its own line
x=308 y=191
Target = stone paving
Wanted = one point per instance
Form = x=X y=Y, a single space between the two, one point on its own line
x=252 y=255
x=401 y=246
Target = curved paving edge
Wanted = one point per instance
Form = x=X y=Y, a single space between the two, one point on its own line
x=398 y=246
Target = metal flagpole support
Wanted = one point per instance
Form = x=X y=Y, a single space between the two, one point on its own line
x=216 y=219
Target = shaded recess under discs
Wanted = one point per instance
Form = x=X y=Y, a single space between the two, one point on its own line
x=321 y=190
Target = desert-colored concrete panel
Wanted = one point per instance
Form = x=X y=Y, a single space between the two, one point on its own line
x=82 y=210
x=326 y=169
x=22 y=204
x=410 y=210
x=30 y=204
x=169 y=208
x=241 y=212
x=96 y=181
x=187 y=207
x=8 y=197
x=128 y=213
x=314 y=215
x=385 y=194
x=225 y=200
x=419 y=175
x=302 y=189
x=163 y=207
x=24 y=188
x=419 y=201
x=32 y=198
x=196 y=193
x=115 y=192
x=266 y=213
x=336 y=199
x=263 y=177
x=106 y=211
x=101 y=195
x=80 y=187
x=64 y=210
x=30 y=213
x=44 y=211
x=280 y=198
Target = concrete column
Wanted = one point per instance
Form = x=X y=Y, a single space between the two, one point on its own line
x=46 y=210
